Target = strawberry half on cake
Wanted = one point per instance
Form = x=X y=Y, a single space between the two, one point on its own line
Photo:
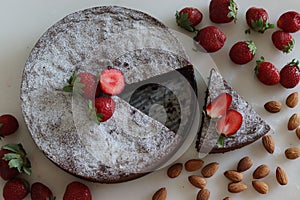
x=229 y=122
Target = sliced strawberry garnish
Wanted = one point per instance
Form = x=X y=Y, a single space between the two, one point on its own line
x=230 y=123
x=217 y=107
x=112 y=81
x=105 y=108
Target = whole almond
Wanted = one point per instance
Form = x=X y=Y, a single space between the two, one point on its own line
x=281 y=176
x=160 y=194
x=233 y=175
x=237 y=187
x=174 y=170
x=260 y=187
x=193 y=165
x=210 y=169
x=227 y=198
x=294 y=121
x=197 y=181
x=292 y=100
x=292 y=153
x=261 y=171
x=268 y=143
x=244 y=164
x=298 y=132
x=273 y=106
x=203 y=194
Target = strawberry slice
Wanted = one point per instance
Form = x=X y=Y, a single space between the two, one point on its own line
x=112 y=81
x=230 y=123
x=217 y=107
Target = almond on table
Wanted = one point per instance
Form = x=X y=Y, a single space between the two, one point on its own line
x=210 y=169
x=292 y=100
x=260 y=187
x=193 y=165
x=174 y=170
x=261 y=171
x=244 y=164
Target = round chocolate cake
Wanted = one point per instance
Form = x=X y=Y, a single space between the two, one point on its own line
x=131 y=143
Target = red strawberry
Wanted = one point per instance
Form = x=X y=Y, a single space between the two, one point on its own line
x=242 y=52
x=188 y=18
x=218 y=106
x=13 y=161
x=15 y=189
x=112 y=81
x=8 y=125
x=85 y=83
x=77 y=191
x=39 y=191
x=283 y=41
x=289 y=21
x=105 y=108
x=266 y=72
x=222 y=11
x=257 y=20
x=230 y=123
x=210 y=38
x=290 y=74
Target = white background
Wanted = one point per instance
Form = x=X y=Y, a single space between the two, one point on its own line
x=23 y=22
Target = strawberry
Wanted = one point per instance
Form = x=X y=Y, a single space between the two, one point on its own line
x=13 y=161
x=210 y=38
x=222 y=11
x=266 y=72
x=257 y=20
x=188 y=18
x=290 y=74
x=39 y=191
x=77 y=191
x=15 y=189
x=283 y=41
x=8 y=125
x=242 y=52
x=230 y=123
x=218 y=106
x=112 y=81
x=289 y=21
x=85 y=83
x=105 y=107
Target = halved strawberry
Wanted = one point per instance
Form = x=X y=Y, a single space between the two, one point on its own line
x=217 y=107
x=230 y=123
x=112 y=81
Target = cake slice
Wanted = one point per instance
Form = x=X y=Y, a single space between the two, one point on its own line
x=251 y=128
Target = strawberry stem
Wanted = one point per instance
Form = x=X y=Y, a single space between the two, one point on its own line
x=233 y=10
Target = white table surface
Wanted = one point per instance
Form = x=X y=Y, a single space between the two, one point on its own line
x=23 y=22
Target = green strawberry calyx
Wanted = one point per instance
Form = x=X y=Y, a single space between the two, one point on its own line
x=289 y=47
x=74 y=84
x=251 y=46
x=92 y=113
x=258 y=62
x=294 y=63
x=184 y=22
x=233 y=10
x=17 y=158
x=260 y=25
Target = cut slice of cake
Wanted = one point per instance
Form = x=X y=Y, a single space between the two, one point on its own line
x=251 y=127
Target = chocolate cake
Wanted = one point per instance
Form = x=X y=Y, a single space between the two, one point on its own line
x=132 y=142
x=253 y=126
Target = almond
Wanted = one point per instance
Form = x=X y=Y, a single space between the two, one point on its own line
x=292 y=100
x=237 y=187
x=233 y=175
x=294 y=121
x=174 y=170
x=292 y=153
x=203 y=194
x=244 y=164
x=260 y=187
x=197 y=181
x=281 y=176
x=273 y=106
x=160 y=194
x=268 y=143
x=298 y=132
x=261 y=171
x=227 y=198
x=193 y=165
x=210 y=169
